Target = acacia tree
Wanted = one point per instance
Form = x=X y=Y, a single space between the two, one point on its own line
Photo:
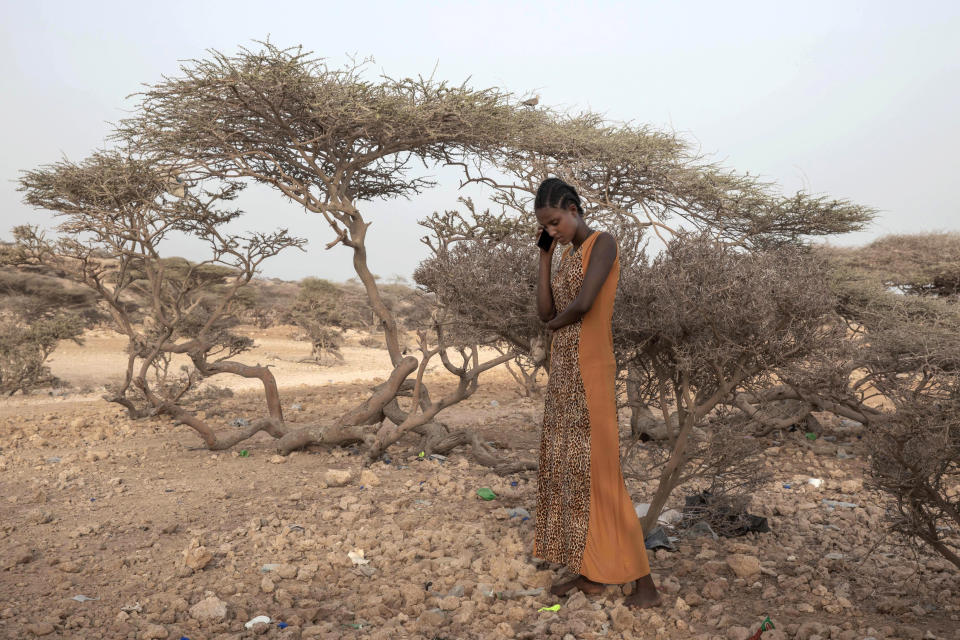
x=329 y=140
x=117 y=210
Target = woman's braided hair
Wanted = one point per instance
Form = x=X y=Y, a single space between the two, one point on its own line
x=554 y=192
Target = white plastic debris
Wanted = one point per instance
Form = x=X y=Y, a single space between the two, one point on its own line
x=356 y=556
x=816 y=483
x=257 y=620
x=82 y=598
x=833 y=504
x=641 y=508
x=670 y=517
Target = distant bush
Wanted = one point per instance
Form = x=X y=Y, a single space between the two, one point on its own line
x=25 y=345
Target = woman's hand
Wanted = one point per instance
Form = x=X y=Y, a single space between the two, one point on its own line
x=546 y=253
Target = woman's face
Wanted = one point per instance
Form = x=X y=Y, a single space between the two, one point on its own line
x=560 y=223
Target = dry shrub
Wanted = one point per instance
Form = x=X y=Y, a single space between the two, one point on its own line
x=37 y=311
x=906 y=349
x=922 y=264
x=915 y=462
x=25 y=345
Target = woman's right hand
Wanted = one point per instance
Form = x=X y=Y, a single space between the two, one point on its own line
x=553 y=246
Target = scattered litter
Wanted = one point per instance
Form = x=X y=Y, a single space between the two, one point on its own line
x=494 y=403
x=702 y=528
x=764 y=626
x=356 y=556
x=438 y=457
x=843 y=455
x=670 y=517
x=386 y=459
x=519 y=593
x=136 y=607
x=730 y=522
x=282 y=625
x=240 y=422
x=830 y=438
x=296 y=527
x=641 y=509
x=834 y=556
x=658 y=539
x=555 y=607
x=514 y=483
x=786 y=486
x=816 y=483
x=82 y=598
x=267 y=568
x=421 y=454
x=811 y=436
x=425 y=503
x=243 y=453
x=485 y=590
x=519 y=512
x=257 y=620
x=486 y=493
x=833 y=504
x=296 y=406
x=53 y=459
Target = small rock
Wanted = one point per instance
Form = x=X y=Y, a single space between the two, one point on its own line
x=154 y=632
x=622 y=618
x=576 y=602
x=70 y=566
x=738 y=633
x=266 y=585
x=277 y=459
x=197 y=558
x=744 y=566
x=368 y=478
x=337 y=477
x=39 y=628
x=211 y=609
x=715 y=589
x=431 y=619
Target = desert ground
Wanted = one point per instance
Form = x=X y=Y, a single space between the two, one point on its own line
x=113 y=528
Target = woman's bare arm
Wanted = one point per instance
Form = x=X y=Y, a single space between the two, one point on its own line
x=601 y=261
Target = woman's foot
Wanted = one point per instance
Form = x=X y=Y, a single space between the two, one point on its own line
x=644 y=595
x=584 y=584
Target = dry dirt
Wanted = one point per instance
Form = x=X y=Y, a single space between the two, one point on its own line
x=170 y=541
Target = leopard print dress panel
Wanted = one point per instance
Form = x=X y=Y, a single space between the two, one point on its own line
x=563 y=491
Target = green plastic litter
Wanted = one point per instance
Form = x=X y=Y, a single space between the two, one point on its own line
x=811 y=435
x=486 y=493
x=420 y=455
x=555 y=607
x=766 y=624
x=244 y=453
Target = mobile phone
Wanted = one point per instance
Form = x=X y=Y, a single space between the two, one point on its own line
x=544 y=240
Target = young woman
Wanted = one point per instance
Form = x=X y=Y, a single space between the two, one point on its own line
x=585 y=518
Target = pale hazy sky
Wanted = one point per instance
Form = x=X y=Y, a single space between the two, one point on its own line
x=853 y=99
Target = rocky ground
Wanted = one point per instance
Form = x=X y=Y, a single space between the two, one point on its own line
x=118 y=529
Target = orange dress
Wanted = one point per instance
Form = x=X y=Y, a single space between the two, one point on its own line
x=585 y=518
